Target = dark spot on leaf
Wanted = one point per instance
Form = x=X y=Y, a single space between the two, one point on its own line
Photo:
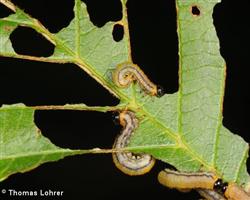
x=196 y=11
x=102 y=12
x=118 y=32
x=7 y=28
x=4 y=11
x=27 y=41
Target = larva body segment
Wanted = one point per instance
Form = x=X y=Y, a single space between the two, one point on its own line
x=126 y=73
x=184 y=181
x=210 y=194
x=207 y=184
x=234 y=192
x=127 y=162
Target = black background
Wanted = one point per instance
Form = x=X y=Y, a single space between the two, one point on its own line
x=155 y=49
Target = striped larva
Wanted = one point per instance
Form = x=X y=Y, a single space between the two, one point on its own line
x=126 y=73
x=231 y=191
x=234 y=192
x=127 y=162
x=207 y=184
x=210 y=194
x=187 y=181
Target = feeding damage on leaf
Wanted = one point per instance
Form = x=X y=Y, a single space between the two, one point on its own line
x=183 y=129
x=195 y=10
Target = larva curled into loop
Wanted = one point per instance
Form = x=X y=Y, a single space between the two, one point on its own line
x=127 y=162
x=126 y=73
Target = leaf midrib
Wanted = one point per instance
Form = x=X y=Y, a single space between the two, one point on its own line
x=178 y=139
x=86 y=67
x=38 y=153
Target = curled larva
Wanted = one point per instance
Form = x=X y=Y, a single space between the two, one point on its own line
x=187 y=181
x=127 y=162
x=126 y=73
x=210 y=194
x=234 y=192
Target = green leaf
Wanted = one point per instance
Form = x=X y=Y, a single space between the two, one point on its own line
x=91 y=48
x=202 y=82
x=190 y=134
x=22 y=147
x=183 y=129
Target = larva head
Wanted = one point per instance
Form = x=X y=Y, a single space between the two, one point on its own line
x=119 y=118
x=220 y=186
x=115 y=117
x=218 y=183
x=160 y=91
x=224 y=187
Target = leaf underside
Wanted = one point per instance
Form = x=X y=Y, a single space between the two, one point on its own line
x=183 y=129
x=22 y=147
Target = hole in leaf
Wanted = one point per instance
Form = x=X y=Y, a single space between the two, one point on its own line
x=102 y=12
x=118 y=32
x=53 y=15
x=196 y=11
x=229 y=18
x=154 y=41
x=76 y=129
x=4 y=11
x=27 y=41
x=40 y=83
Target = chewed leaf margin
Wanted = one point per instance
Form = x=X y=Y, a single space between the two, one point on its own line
x=184 y=129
